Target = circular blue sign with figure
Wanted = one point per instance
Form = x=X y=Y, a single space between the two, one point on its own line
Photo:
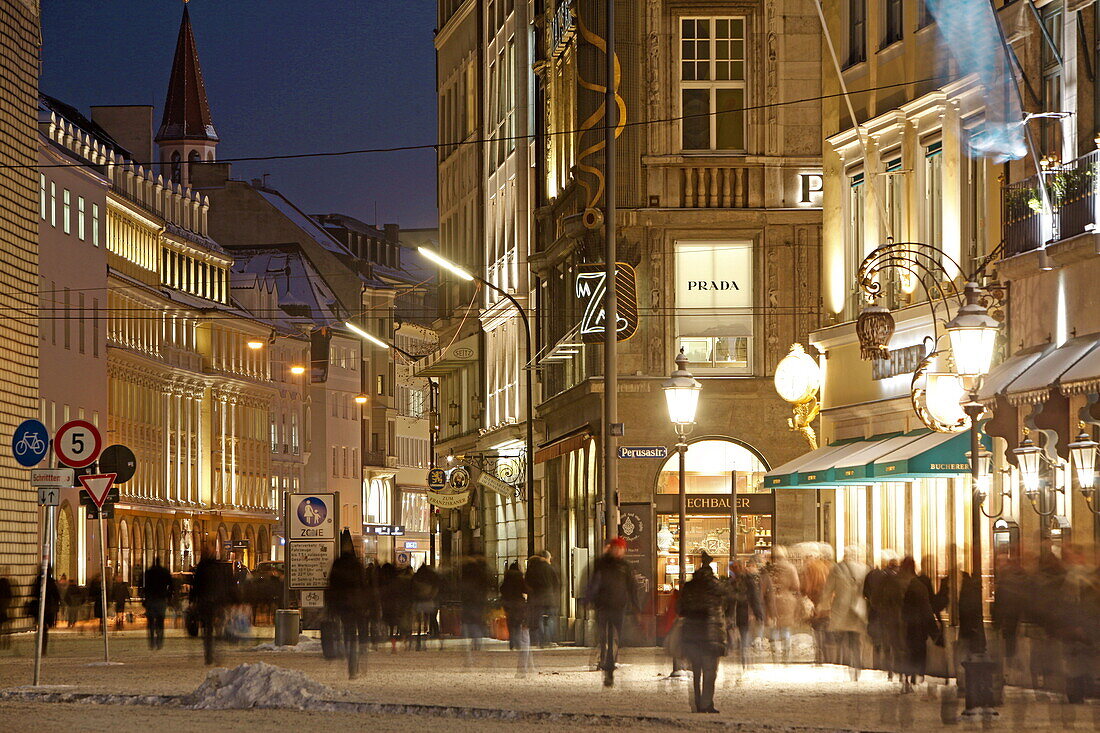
x=30 y=443
x=312 y=511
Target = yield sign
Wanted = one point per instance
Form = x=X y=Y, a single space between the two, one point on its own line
x=97 y=485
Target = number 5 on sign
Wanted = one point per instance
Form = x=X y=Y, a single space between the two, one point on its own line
x=77 y=443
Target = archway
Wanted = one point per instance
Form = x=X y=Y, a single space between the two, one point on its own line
x=223 y=543
x=64 y=563
x=263 y=545
x=123 y=563
x=249 y=556
x=137 y=552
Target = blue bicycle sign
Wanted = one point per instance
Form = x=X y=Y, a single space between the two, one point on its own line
x=30 y=443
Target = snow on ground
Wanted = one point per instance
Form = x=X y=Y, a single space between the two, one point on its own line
x=305 y=644
x=258 y=685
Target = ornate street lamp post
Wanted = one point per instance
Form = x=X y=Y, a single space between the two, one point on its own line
x=682 y=399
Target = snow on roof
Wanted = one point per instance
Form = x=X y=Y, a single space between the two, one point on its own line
x=303 y=222
x=303 y=293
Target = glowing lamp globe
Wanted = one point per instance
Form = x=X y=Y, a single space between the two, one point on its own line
x=682 y=393
x=973 y=335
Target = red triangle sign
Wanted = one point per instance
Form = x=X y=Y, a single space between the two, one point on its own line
x=98 y=485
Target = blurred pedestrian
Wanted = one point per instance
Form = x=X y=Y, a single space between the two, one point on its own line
x=612 y=591
x=918 y=624
x=746 y=608
x=846 y=609
x=812 y=575
x=119 y=595
x=1009 y=598
x=784 y=605
x=53 y=604
x=95 y=594
x=6 y=597
x=156 y=590
x=345 y=599
x=513 y=598
x=212 y=590
x=74 y=600
x=704 y=607
x=474 y=585
x=544 y=584
x=426 y=585
x=883 y=611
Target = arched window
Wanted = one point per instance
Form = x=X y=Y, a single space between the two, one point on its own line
x=177 y=173
x=712 y=467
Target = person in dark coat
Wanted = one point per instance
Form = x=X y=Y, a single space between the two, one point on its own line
x=1009 y=598
x=542 y=600
x=156 y=590
x=918 y=622
x=746 y=607
x=6 y=596
x=119 y=593
x=345 y=599
x=612 y=591
x=212 y=590
x=474 y=585
x=513 y=597
x=53 y=605
x=95 y=593
x=704 y=606
x=883 y=597
x=426 y=585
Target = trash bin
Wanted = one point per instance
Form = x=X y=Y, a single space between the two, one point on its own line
x=287 y=626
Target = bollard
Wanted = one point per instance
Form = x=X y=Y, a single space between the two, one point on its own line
x=287 y=626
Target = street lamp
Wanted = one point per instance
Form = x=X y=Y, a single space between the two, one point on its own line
x=1083 y=454
x=973 y=335
x=682 y=398
x=529 y=399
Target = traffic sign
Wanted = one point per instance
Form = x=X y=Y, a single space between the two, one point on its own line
x=119 y=460
x=52 y=478
x=437 y=478
x=107 y=511
x=49 y=497
x=97 y=486
x=77 y=443
x=30 y=443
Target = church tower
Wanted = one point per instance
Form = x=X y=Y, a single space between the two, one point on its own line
x=186 y=133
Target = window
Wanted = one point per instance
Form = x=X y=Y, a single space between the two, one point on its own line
x=335 y=457
x=380 y=383
x=1050 y=129
x=68 y=303
x=414 y=511
x=855 y=244
x=176 y=172
x=892 y=31
x=933 y=195
x=95 y=327
x=53 y=204
x=376 y=504
x=42 y=195
x=712 y=83
x=80 y=218
x=924 y=15
x=66 y=212
x=895 y=199
x=857 y=31
x=80 y=315
x=714 y=298
x=95 y=224
x=975 y=212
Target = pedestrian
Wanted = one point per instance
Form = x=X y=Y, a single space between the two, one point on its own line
x=544 y=586
x=155 y=591
x=812 y=574
x=120 y=594
x=95 y=594
x=1009 y=599
x=345 y=599
x=426 y=584
x=612 y=592
x=474 y=585
x=513 y=597
x=6 y=597
x=845 y=609
x=53 y=605
x=746 y=608
x=73 y=601
x=883 y=613
x=211 y=592
x=918 y=624
x=784 y=601
x=704 y=608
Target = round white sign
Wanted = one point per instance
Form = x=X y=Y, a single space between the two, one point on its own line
x=77 y=443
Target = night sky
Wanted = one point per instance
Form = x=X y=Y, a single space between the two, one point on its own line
x=282 y=76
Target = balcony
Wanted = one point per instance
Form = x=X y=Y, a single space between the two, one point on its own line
x=1072 y=189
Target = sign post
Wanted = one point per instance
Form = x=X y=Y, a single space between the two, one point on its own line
x=98 y=487
x=29 y=445
x=47 y=546
x=311 y=524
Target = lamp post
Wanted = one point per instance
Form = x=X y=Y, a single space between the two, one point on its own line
x=529 y=446
x=1083 y=454
x=972 y=334
x=682 y=398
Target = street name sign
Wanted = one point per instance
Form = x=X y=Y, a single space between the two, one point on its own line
x=650 y=451
x=52 y=478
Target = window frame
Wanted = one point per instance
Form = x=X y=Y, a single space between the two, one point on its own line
x=711 y=84
x=748 y=313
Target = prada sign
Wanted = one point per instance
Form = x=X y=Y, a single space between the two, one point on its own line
x=718 y=503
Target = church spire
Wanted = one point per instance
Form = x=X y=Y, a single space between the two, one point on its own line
x=186 y=109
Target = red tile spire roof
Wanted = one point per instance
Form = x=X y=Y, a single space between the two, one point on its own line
x=186 y=109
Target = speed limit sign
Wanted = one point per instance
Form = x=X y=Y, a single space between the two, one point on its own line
x=77 y=443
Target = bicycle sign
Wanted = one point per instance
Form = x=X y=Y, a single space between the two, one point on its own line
x=30 y=443
x=77 y=443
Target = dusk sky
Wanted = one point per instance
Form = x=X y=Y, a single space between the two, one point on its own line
x=283 y=76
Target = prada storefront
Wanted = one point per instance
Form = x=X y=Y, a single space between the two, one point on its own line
x=714 y=468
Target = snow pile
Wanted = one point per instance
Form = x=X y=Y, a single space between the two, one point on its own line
x=258 y=685
x=305 y=644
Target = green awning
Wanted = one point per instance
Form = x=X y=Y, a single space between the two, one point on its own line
x=934 y=454
x=787 y=475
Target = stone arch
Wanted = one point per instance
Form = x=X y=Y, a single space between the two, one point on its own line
x=123 y=558
x=263 y=545
x=65 y=562
x=222 y=547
